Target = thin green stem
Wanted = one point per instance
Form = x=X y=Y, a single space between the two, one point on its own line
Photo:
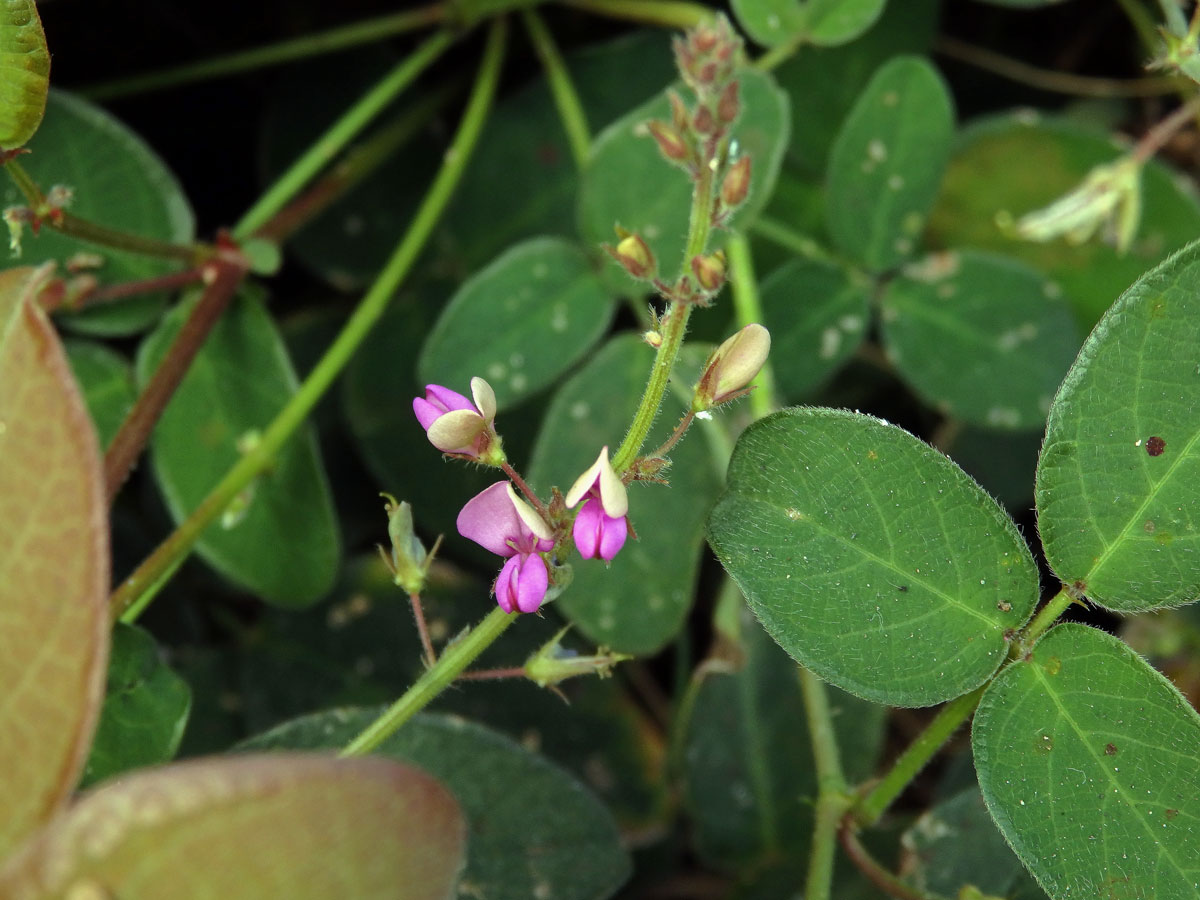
x=310 y=45
x=747 y=308
x=566 y=98
x=1143 y=23
x=780 y=53
x=674 y=327
x=344 y=130
x=454 y=659
x=832 y=798
x=802 y=245
x=670 y=13
x=1046 y=617
x=872 y=805
x=454 y=162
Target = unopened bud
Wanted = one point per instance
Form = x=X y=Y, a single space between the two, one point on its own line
x=703 y=121
x=679 y=111
x=728 y=104
x=634 y=256
x=736 y=184
x=709 y=271
x=670 y=141
x=409 y=562
x=553 y=664
x=653 y=338
x=732 y=367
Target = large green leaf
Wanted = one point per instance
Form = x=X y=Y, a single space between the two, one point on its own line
x=1089 y=761
x=301 y=827
x=282 y=541
x=25 y=61
x=144 y=711
x=1056 y=155
x=520 y=323
x=983 y=338
x=817 y=314
x=1118 y=482
x=106 y=379
x=118 y=181
x=54 y=567
x=887 y=163
x=870 y=557
x=641 y=600
x=627 y=182
x=821 y=22
x=533 y=831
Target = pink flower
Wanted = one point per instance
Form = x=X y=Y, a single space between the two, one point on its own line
x=601 y=526
x=500 y=521
x=455 y=425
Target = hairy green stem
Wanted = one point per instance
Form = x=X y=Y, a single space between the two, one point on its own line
x=832 y=798
x=310 y=45
x=566 y=98
x=747 y=307
x=344 y=130
x=149 y=574
x=1047 y=615
x=673 y=329
x=671 y=13
x=454 y=659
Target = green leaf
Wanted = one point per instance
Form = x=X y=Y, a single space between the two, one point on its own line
x=533 y=831
x=1056 y=156
x=956 y=843
x=749 y=777
x=1118 y=482
x=280 y=540
x=817 y=314
x=825 y=23
x=54 y=561
x=301 y=827
x=118 y=181
x=887 y=162
x=25 y=60
x=106 y=379
x=145 y=709
x=982 y=338
x=870 y=557
x=627 y=182
x=520 y=323
x=1089 y=761
x=640 y=601
x=770 y=22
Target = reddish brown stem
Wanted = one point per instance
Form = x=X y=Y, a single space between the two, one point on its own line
x=874 y=872
x=222 y=277
x=525 y=489
x=492 y=674
x=422 y=628
x=125 y=289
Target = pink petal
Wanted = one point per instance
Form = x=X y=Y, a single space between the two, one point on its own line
x=613 y=533
x=506 y=596
x=532 y=582
x=490 y=520
x=438 y=400
x=587 y=528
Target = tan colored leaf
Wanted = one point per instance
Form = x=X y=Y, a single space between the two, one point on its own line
x=53 y=567
x=287 y=826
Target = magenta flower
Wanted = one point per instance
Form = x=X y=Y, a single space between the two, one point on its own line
x=455 y=425
x=500 y=521
x=601 y=526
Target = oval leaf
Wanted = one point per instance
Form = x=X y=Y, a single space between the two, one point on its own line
x=1089 y=761
x=982 y=338
x=281 y=538
x=870 y=557
x=25 y=60
x=301 y=827
x=119 y=182
x=533 y=831
x=829 y=23
x=769 y=22
x=887 y=162
x=145 y=708
x=641 y=600
x=628 y=183
x=106 y=379
x=53 y=567
x=520 y=323
x=1118 y=482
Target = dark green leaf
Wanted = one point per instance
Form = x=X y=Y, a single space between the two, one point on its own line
x=25 y=60
x=1118 y=483
x=520 y=323
x=870 y=557
x=1089 y=761
x=533 y=831
x=1056 y=155
x=117 y=181
x=822 y=22
x=145 y=709
x=983 y=338
x=887 y=163
x=817 y=315
x=641 y=600
x=280 y=539
x=106 y=378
